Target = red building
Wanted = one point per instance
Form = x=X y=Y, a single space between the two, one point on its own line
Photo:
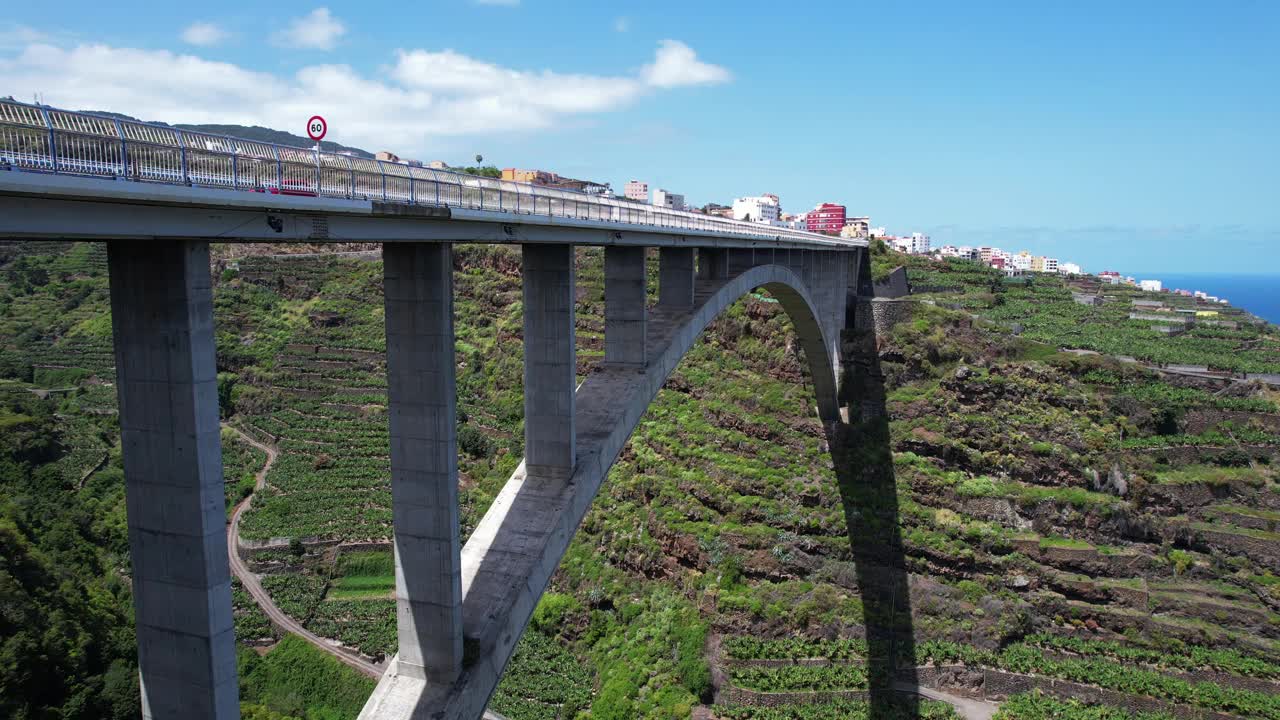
x=826 y=218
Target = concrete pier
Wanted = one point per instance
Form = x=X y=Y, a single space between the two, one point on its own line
x=550 y=360
x=675 y=277
x=162 y=318
x=418 y=297
x=624 y=305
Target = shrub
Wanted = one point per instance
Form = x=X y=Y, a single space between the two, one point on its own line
x=1181 y=560
x=474 y=443
x=552 y=610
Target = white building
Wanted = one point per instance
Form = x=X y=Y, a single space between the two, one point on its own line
x=1021 y=261
x=964 y=252
x=1151 y=285
x=763 y=209
x=1070 y=269
x=1051 y=265
x=671 y=200
x=876 y=232
x=636 y=190
x=913 y=244
x=919 y=243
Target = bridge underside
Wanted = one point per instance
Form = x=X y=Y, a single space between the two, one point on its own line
x=509 y=559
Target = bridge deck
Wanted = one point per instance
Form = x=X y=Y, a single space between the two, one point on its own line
x=71 y=207
x=263 y=191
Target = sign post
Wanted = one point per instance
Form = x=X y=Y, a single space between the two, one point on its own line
x=316 y=129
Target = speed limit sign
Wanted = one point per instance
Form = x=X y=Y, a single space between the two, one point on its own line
x=316 y=128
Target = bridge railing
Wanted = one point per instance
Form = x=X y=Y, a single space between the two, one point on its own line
x=45 y=139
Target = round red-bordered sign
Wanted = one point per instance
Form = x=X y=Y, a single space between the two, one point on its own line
x=316 y=128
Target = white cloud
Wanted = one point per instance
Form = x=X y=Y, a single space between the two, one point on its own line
x=677 y=65
x=16 y=37
x=422 y=97
x=204 y=34
x=317 y=30
x=621 y=24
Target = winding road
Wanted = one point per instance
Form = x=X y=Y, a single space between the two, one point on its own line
x=260 y=596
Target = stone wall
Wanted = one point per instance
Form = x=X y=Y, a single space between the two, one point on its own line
x=734 y=695
x=894 y=286
x=998 y=685
x=1199 y=420
x=883 y=313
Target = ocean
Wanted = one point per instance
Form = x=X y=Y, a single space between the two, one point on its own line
x=1259 y=294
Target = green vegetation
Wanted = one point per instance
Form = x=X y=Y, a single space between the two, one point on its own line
x=543 y=682
x=1036 y=706
x=801 y=677
x=66 y=618
x=241 y=462
x=299 y=680
x=749 y=648
x=364 y=575
x=721 y=522
x=1185 y=658
x=840 y=710
x=1106 y=673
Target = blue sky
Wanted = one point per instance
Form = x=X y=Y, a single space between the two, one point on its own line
x=1137 y=135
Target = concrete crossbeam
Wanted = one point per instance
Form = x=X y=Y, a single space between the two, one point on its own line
x=418 y=298
x=624 y=305
x=550 y=360
x=675 y=277
x=162 y=319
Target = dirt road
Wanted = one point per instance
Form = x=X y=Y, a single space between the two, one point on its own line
x=969 y=708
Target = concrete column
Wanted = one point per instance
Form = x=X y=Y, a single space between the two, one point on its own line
x=675 y=277
x=624 y=305
x=421 y=397
x=739 y=260
x=550 y=361
x=166 y=379
x=712 y=264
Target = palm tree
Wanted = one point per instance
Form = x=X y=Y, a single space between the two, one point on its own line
x=479 y=159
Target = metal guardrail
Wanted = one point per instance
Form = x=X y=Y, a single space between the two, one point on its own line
x=44 y=139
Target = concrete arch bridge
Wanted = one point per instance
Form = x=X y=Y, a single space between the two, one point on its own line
x=158 y=197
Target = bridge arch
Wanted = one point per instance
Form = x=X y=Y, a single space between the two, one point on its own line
x=510 y=557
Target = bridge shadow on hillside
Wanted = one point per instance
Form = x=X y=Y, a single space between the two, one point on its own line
x=863 y=458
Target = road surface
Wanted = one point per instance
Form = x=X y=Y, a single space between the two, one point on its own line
x=969 y=708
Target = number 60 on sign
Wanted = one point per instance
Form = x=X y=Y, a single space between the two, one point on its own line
x=316 y=128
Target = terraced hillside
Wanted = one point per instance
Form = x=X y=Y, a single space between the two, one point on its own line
x=1071 y=524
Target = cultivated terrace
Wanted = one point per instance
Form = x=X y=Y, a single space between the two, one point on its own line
x=1085 y=524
